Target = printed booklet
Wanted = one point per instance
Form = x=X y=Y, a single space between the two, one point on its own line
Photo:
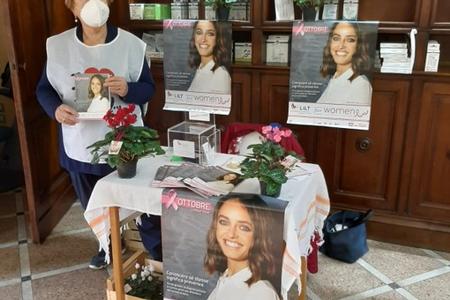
x=205 y=181
x=92 y=99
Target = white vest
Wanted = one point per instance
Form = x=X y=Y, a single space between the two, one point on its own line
x=67 y=55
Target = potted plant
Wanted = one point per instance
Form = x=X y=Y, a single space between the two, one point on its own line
x=222 y=8
x=309 y=8
x=269 y=161
x=145 y=283
x=125 y=143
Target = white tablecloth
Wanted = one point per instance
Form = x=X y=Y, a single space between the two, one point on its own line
x=307 y=195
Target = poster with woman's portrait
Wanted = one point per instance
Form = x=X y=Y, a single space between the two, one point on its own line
x=222 y=248
x=197 y=62
x=92 y=99
x=331 y=73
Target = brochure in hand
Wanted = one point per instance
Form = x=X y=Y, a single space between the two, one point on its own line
x=92 y=100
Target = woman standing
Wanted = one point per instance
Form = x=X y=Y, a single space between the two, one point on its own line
x=92 y=44
x=346 y=61
x=210 y=56
x=240 y=249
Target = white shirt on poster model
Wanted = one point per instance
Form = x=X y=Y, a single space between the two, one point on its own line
x=341 y=90
x=99 y=104
x=235 y=287
x=213 y=82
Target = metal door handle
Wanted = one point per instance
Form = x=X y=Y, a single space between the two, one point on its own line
x=363 y=144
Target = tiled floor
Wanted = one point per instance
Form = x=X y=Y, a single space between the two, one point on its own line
x=57 y=269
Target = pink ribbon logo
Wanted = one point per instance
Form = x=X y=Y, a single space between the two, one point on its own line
x=168 y=24
x=169 y=200
x=299 y=29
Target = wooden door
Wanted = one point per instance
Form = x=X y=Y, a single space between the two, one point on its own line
x=273 y=106
x=48 y=190
x=362 y=168
x=429 y=192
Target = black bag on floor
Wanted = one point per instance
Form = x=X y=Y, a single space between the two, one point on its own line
x=344 y=235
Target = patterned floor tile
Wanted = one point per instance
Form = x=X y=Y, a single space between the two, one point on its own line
x=11 y=292
x=337 y=279
x=436 y=288
x=9 y=263
x=7 y=204
x=399 y=262
x=8 y=230
x=76 y=285
x=62 y=251
x=73 y=220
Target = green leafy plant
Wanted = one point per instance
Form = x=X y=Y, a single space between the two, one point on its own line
x=136 y=141
x=219 y=3
x=267 y=160
x=308 y=3
x=144 y=283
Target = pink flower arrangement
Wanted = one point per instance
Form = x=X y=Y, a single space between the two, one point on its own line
x=273 y=132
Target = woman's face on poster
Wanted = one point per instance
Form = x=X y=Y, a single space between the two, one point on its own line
x=343 y=44
x=229 y=177
x=235 y=230
x=205 y=38
x=96 y=86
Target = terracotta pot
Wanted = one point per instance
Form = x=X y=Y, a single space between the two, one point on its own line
x=127 y=169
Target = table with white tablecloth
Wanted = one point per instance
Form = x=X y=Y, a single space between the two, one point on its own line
x=115 y=199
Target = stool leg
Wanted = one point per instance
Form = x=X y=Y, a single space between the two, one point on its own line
x=302 y=296
x=116 y=252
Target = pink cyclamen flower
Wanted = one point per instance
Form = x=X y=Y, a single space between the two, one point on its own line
x=287 y=133
x=266 y=129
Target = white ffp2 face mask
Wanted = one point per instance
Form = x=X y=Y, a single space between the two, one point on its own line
x=94 y=13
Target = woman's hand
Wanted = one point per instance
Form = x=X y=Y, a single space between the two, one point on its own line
x=66 y=115
x=117 y=85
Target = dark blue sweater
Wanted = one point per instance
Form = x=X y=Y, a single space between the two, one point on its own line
x=139 y=93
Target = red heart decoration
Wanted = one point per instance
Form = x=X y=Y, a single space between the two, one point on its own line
x=92 y=70
x=106 y=71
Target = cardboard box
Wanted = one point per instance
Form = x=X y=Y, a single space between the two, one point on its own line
x=330 y=10
x=277 y=49
x=179 y=10
x=162 y=11
x=193 y=11
x=210 y=13
x=243 y=52
x=137 y=11
x=156 y=11
x=149 y=11
x=432 y=58
x=238 y=12
x=350 y=10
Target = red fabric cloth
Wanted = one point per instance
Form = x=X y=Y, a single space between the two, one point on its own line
x=235 y=130
x=312 y=260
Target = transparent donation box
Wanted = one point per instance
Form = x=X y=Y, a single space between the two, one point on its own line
x=194 y=141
